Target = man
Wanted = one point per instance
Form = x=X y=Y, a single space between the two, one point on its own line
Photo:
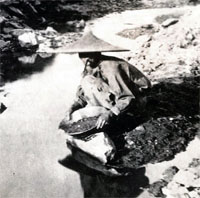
x=108 y=82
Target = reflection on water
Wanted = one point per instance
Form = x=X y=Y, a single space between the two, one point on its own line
x=30 y=143
x=104 y=186
x=17 y=67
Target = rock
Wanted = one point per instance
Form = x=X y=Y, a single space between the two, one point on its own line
x=169 y=22
x=70 y=23
x=28 y=39
x=98 y=145
x=45 y=55
x=7 y=30
x=6 y=36
x=94 y=164
x=80 y=24
x=18 y=32
x=175 y=190
x=148 y=26
x=51 y=30
x=31 y=9
x=15 y=11
x=169 y=173
x=190 y=36
x=156 y=188
x=14 y=24
x=185 y=182
x=188 y=177
x=37 y=2
x=3 y=44
x=195 y=163
x=28 y=59
x=2 y=19
x=2 y=107
x=41 y=38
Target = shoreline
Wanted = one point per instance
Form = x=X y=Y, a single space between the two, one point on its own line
x=40 y=119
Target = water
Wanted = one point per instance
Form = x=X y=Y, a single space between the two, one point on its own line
x=30 y=142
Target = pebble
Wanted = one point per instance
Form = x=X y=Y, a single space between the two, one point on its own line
x=169 y=173
x=169 y=22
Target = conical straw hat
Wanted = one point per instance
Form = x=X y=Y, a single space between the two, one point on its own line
x=90 y=43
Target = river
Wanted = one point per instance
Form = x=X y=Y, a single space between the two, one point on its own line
x=30 y=141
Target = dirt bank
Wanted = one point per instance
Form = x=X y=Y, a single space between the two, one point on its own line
x=164 y=45
x=166 y=51
x=21 y=16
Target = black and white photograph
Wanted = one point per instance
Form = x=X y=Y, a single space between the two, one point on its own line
x=99 y=99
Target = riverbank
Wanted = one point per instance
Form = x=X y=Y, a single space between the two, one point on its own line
x=24 y=19
x=166 y=51
x=165 y=45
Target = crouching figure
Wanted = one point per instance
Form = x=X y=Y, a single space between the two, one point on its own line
x=110 y=89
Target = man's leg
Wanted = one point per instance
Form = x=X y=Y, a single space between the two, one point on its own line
x=89 y=111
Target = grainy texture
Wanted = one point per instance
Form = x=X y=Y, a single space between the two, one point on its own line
x=80 y=126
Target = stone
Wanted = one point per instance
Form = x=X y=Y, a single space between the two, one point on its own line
x=14 y=24
x=17 y=32
x=28 y=39
x=16 y=11
x=156 y=188
x=98 y=145
x=169 y=173
x=70 y=23
x=186 y=183
x=3 y=44
x=188 y=177
x=28 y=59
x=2 y=19
x=7 y=30
x=51 y=30
x=80 y=24
x=41 y=38
x=195 y=163
x=31 y=8
x=190 y=36
x=45 y=55
x=169 y=22
x=2 y=107
x=175 y=190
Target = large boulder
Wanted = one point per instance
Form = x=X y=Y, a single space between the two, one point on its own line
x=98 y=145
x=28 y=39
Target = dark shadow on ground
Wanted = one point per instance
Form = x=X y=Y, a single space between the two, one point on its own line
x=104 y=186
x=169 y=123
x=172 y=97
x=96 y=184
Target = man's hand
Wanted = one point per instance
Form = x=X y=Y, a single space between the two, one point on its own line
x=104 y=119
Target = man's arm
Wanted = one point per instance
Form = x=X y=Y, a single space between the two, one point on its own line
x=79 y=103
x=122 y=104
